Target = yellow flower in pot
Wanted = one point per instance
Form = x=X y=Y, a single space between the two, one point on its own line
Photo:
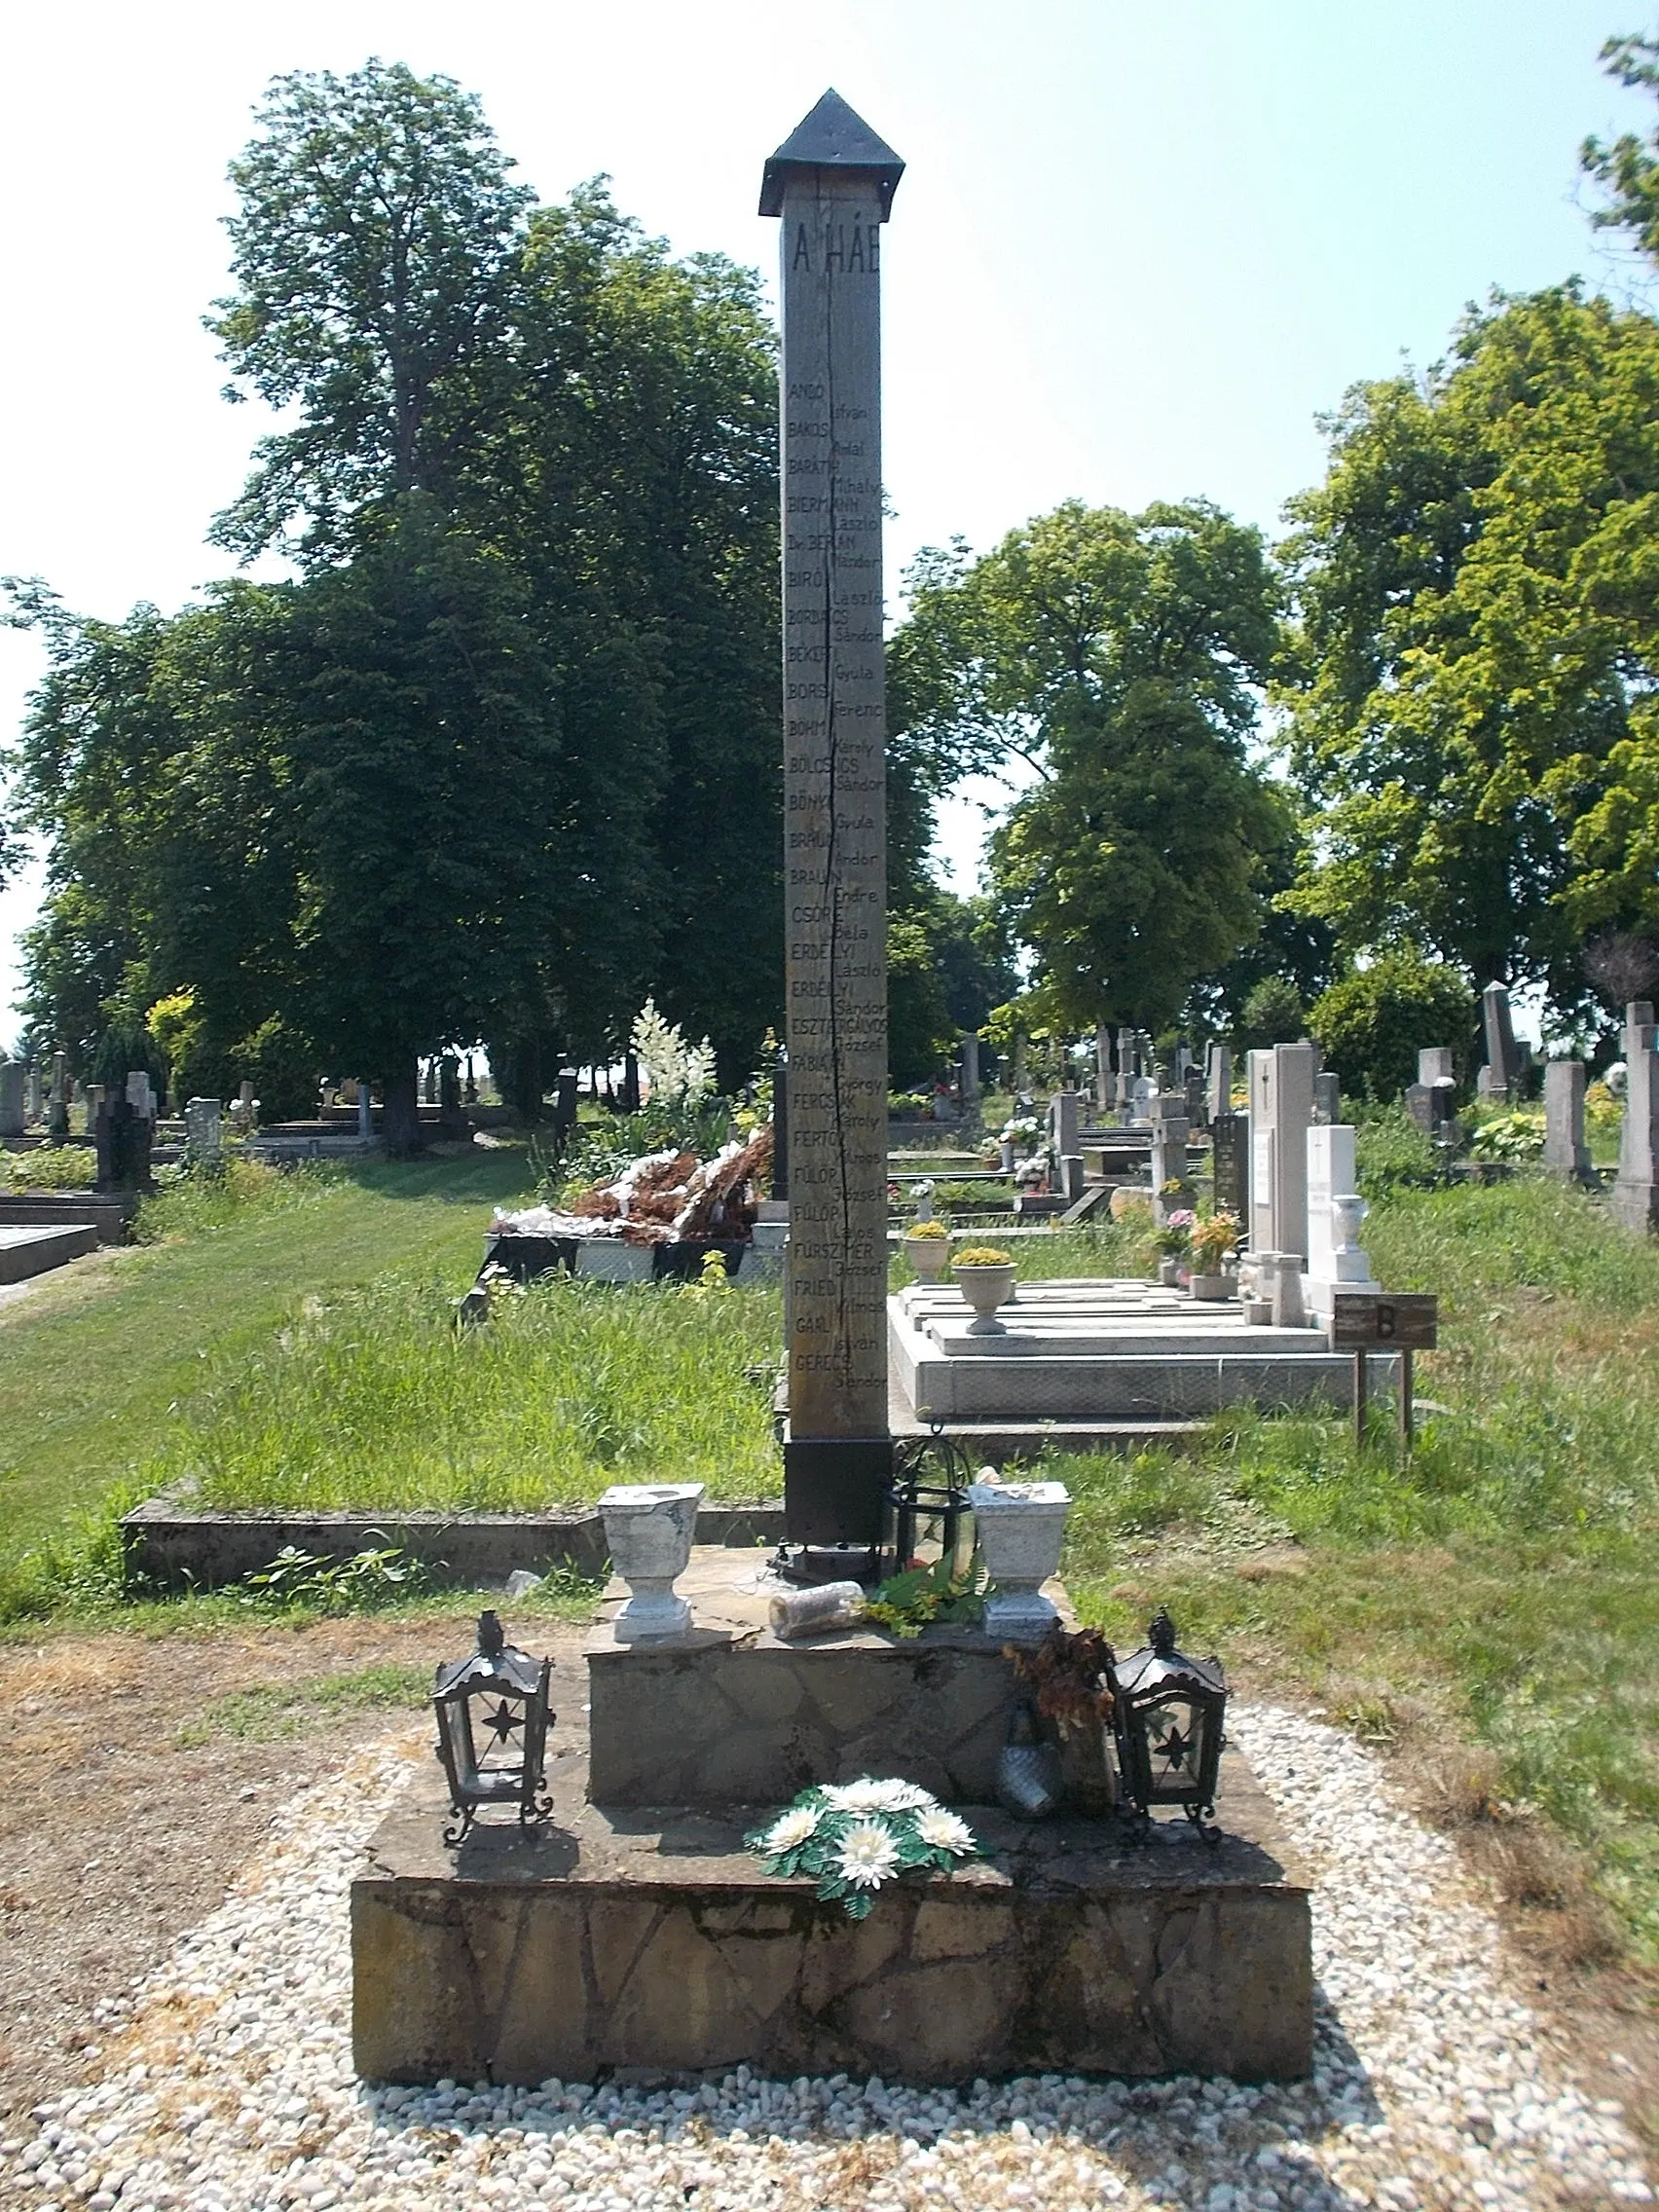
x=984 y=1275
x=1212 y=1240
x=927 y=1247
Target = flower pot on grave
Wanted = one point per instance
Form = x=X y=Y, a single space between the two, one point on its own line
x=985 y=1288
x=928 y=1256
x=1212 y=1286
x=1168 y=1271
x=1019 y=1527
x=649 y=1528
x=1005 y=1153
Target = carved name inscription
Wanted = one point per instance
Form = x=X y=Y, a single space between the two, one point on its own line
x=835 y=807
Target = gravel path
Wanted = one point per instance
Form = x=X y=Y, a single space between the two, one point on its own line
x=230 y=2089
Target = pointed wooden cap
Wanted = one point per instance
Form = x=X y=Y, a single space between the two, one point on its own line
x=832 y=137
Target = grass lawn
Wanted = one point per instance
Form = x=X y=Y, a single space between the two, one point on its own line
x=96 y=1364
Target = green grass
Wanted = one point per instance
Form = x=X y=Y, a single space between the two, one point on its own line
x=1505 y=1574
x=274 y=1709
x=372 y=1397
x=95 y=1365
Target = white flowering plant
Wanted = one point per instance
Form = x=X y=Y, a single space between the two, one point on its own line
x=853 y=1836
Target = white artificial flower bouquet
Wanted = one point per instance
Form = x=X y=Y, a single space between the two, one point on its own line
x=853 y=1836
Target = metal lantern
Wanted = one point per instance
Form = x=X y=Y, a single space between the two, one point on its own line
x=1167 y=1719
x=496 y=1697
x=925 y=1522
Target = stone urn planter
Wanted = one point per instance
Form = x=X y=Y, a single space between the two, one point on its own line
x=1212 y=1286
x=1019 y=1527
x=985 y=1285
x=1168 y=1273
x=649 y=1528
x=928 y=1256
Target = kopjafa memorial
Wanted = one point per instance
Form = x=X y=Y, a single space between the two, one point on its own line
x=607 y=1888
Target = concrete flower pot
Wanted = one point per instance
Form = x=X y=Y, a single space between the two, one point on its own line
x=1212 y=1286
x=928 y=1255
x=986 y=1289
x=648 y=1527
x=1019 y=1527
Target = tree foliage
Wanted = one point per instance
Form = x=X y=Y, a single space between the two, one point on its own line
x=1472 y=709
x=1371 y=1024
x=1121 y=656
x=506 y=757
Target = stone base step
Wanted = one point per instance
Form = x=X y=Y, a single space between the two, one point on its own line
x=27 y=1249
x=650 y=1939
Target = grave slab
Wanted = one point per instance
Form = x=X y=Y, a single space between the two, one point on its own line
x=614 y=1937
x=26 y=1251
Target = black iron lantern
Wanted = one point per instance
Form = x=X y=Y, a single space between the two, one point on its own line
x=1168 y=1715
x=927 y=1522
x=496 y=1697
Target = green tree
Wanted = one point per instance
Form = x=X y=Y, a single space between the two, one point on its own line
x=1371 y=1024
x=372 y=248
x=1272 y=1015
x=1473 y=659
x=1121 y=657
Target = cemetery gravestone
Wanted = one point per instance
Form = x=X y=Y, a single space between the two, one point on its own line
x=203 y=1135
x=1503 y=1062
x=12 y=1107
x=1126 y=1068
x=832 y=184
x=1327 y=1098
x=1434 y=1064
x=1282 y=1113
x=1218 y=1081
x=1335 y=1210
x=1635 y=1193
x=1170 y=1132
x=58 y=1106
x=1566 y=1152
x=1419 y=1105
x=969 y=1069
x=1229 y=1160
x=37 y=1095
x=1103 y=1087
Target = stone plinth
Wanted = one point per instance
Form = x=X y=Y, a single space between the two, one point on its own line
x=610 y=1938
x=728 y=1714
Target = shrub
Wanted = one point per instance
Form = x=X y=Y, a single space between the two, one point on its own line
x=1394 y=1153
x=981 y=1256
x=1272 y=1015
x=1372 y=1023
x=1509 y=1136
x=50 y=1167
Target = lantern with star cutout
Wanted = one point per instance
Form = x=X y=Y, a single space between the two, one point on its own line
x=1168 y=1715
x=492 y=1720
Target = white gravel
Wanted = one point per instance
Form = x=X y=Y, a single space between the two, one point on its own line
x=231 y=2089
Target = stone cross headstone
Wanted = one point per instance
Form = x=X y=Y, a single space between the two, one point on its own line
x=1282 y=1113
x=1218 y=1081
x=1229 y=1164
x=832 y=185
x=12 y=1105
x=204 y=1133
x=1566 y=1152
x=1434 y=1064
x=1502 y=1061
x=1327 y=1098
x=1635 y=1193
x=1332 y=1258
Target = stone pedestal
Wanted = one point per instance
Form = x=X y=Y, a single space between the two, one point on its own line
x=1334 y=1261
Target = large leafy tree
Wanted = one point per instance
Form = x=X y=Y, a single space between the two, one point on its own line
x=527 y=469
x=1470 y=713
x=373 y=252
x=1121 y=657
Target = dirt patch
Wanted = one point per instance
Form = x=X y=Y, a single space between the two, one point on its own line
x=131 y=1799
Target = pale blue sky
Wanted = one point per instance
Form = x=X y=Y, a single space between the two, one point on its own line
x=1137 y=250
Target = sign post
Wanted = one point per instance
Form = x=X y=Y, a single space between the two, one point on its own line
x=1367 y=1321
